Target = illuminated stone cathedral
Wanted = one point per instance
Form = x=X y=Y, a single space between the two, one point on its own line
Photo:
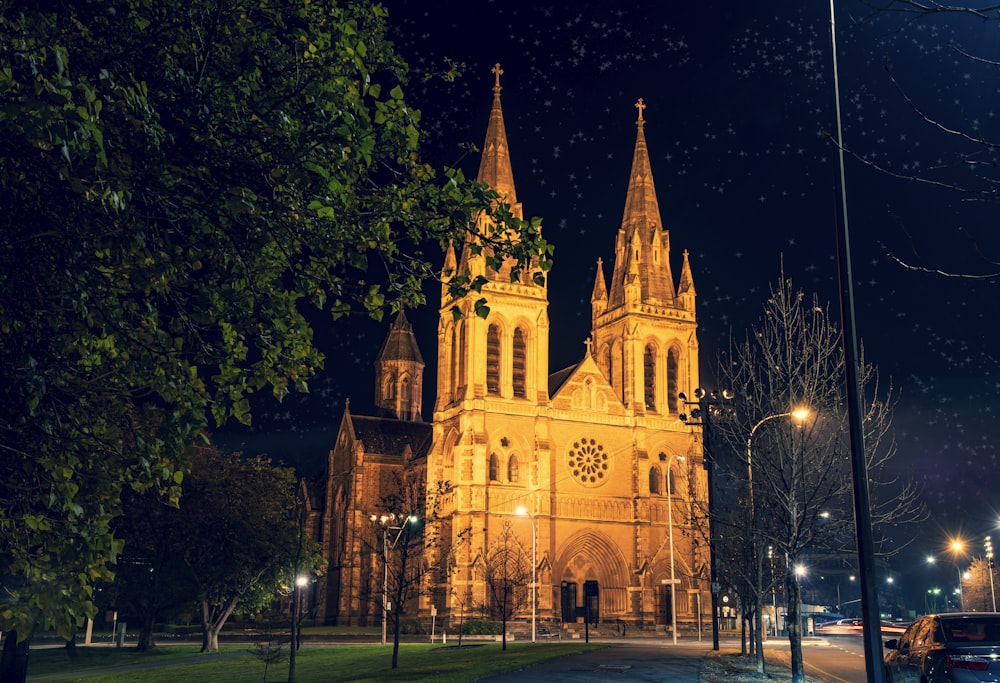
x=589 y=469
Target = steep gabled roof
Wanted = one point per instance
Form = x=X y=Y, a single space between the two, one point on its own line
x=385 y=436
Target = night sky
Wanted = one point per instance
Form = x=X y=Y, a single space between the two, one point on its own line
x=740 y=99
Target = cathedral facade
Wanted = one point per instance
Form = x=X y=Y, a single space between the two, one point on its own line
x=588 y=472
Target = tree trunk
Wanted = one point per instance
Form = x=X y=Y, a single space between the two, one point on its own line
x=145 y=642
x=759 y=635
x=795 y=628
x=211 y=624
x=14 y=659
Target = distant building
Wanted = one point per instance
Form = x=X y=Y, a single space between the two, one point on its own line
x=596 y=452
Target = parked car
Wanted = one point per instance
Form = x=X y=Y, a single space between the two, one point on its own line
x=957 y=647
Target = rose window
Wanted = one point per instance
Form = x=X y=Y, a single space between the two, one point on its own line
x=589 y=462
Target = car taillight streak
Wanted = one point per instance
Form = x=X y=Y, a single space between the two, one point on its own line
x=971 y=662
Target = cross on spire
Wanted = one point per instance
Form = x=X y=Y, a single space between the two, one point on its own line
x=497 y=70
x=588 y=342
x=640 y=105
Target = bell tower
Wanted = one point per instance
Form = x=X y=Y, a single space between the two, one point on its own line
x=643 y=327
x=399 y=374
x=503 y=358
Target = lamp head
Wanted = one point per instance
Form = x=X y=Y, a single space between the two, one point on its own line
x=800 y=414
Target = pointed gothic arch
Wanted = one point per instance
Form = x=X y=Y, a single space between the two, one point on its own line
x=654 y=479
x=513 y=469
x=519 y=363
x=493 y=359
x=673 y=377
x=591 y=556
x=649 y=377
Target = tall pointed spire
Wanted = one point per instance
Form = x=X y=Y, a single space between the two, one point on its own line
x=643 y=249
x=495 y=169
x=399 y=371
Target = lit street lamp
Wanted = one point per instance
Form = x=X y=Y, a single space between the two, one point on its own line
x=387 y=523
x=523 y=512
x=799 y=414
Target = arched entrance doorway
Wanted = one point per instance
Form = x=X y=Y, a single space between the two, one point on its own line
x=593 y=579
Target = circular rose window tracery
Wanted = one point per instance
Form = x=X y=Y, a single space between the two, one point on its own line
x=589 y=462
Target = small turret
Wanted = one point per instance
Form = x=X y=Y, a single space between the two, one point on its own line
x=399 y=372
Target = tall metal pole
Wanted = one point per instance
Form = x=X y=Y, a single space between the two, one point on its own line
x=534 y=576
x=673 y=579
x=385 y=581
x=989 y=570
x=713 y=570
x=705 y=402
x=522 y=511
x=859 y=467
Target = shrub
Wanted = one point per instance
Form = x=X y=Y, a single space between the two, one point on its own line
x=411 y=627
x=482 y=628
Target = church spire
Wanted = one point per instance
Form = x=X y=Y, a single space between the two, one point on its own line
x=399 y=373
x=643 y=247
x=495 y=169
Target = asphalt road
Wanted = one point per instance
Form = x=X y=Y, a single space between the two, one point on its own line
x=642 y=659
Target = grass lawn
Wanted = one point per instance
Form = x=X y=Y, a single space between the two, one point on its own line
x=314 y=664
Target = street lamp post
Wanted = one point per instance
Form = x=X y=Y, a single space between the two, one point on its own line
x=670 y=534
x=387 y=525
x=523 y=512
x=799 y=414
x=989 y=570
x=707 y=403
x=958 y=546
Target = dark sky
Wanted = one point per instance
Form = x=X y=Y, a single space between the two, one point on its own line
x=739 y=96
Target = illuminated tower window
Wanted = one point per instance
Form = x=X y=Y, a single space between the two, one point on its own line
x=520 y=362
x=512 y=469
x=654 y=479
x=493 y=360
x=649 y=377
x=673 y=364
x=494 y=467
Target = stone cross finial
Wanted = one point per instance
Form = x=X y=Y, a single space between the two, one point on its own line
x=496 y=70
x=640 y=105
x=588 y=343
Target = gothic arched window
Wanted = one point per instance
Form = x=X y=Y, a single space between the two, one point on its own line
x=493 y=360
x=654 y=479
x=512 y=469
x=404 y=398
x=671 y=482
x=520 y=369
x=673 y=368
x=649 y=377
x=494 y=467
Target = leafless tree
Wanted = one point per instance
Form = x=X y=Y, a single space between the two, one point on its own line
x=794 y=474
x=978 y=587
x=506 y=572
x=969 y=169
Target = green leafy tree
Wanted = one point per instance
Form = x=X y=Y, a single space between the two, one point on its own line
x=242 y=536
x=151 y=582
x=230 y=545
x=182 y=182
